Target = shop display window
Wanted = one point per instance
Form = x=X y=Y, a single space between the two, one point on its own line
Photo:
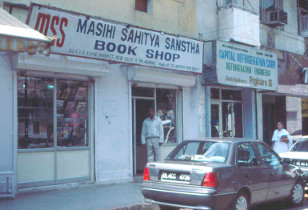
x=72 y=97
x=214 y=93
x=142 y=92
x=166 y=110
x=35 y=112
x=36 y=104
x=165 y=102
x=231 y=95
x=226 y=113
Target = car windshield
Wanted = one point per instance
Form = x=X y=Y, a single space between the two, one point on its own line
x=300 y=146
x=201 y=151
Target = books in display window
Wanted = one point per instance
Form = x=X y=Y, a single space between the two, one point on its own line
x=81 y=107
x=70 y=108
x=60 y=104
x=64 y=132
x=81 y=94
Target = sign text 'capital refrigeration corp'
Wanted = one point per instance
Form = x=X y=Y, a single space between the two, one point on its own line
x=243 y=66
x=80 y=35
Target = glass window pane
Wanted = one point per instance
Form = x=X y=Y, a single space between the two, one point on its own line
x=231 y=95
x=214 y=93
x=238 y=124
x=143 y=92
x=201 y=151
x=35 y=112
x=268 y=156
x=166 y=110
x=72 y=115
x=215 y=120
x=227 y=122
x=246 y=155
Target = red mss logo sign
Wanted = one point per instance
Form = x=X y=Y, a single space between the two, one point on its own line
x=44 y=22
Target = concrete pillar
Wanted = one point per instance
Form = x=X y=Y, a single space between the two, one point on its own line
x=249 y=112
x=294 y=115
x=259 y=106
x=208 y=111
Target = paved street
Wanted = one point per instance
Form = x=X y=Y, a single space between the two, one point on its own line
x=281 y=205
x=115 y=196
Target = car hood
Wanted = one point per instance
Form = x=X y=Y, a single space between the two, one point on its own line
x=295 y=155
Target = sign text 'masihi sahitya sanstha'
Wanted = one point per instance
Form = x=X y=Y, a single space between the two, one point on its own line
x=80 y=35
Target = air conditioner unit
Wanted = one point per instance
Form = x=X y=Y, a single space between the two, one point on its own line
x=276 y=17
x=305 y=75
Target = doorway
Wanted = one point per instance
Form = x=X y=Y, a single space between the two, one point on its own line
x=140 y=112
x=226 y=113
x=274 y=110
x=167 y=105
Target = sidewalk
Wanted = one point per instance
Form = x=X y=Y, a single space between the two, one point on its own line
x=114 y=196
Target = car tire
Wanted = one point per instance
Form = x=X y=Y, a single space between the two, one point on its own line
x=297 y=194
x=241 y=201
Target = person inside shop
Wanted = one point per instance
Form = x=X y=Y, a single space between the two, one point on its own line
x=281 y=140
x=152 y=135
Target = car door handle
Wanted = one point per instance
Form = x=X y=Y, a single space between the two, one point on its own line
x=247 y=175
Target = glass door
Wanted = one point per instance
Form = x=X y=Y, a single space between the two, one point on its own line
x=226 y=113
x=215 y=120
x=167 y=105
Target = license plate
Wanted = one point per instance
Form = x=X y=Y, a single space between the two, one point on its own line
x=177 y=177
x=300 y=163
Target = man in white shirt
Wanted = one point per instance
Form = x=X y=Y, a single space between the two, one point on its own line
x=153 y=135
x=281 y=139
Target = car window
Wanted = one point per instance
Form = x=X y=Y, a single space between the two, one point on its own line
x=201 y=151
x=189 y=149
x=267 y=155
x=300 y=146
x=245 y=155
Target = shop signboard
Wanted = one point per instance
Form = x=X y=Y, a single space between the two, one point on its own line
x=92 y=37
x=244 y=66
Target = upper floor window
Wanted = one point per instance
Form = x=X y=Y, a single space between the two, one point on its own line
x=303 y=17
x=144 y=5
x=20 y=11
x=272 y=14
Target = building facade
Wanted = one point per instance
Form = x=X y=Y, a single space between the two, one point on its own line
x=209 y=68
x=79 y=111
x=278 y=27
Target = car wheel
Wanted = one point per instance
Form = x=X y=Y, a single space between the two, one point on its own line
x=297 y=194
x=241 y=202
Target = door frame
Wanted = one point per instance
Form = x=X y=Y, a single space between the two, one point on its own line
x=219 y=103
x=134 y=142
x=219 y=117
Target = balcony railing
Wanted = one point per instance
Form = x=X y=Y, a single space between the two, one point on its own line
x=242 y=4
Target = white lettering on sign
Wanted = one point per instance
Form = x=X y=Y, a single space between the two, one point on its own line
x=83 y=36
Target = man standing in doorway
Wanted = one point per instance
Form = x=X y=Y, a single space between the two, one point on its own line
x=281 y=139
x=152 y=135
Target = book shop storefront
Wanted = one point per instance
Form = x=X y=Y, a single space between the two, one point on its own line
x=80 y=109
x=235 y=77
x=16 y=37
